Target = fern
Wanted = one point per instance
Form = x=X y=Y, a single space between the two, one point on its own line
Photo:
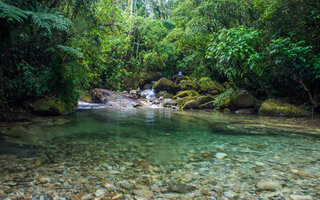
x=12 y=13
x=71 y=51
x=41 y=17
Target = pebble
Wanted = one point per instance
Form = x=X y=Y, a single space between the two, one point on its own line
x=100 y=193
x=300 y=197
x=268 y=185
x=143 y=193
x=230 y=194
x=260 y=164
x=221 y=155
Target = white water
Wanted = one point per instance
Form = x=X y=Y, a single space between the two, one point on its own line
x=87 y=106
x=149 y=94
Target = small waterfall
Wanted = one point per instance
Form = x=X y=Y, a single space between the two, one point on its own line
x=149 y=93
x=87 y=106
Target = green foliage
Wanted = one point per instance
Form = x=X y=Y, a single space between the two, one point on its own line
x=235 y=51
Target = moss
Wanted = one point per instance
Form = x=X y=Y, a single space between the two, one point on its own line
x=206 y=84
x=234 y=100
x=165 y=84
x=164 y=94
x=271 y=107
x=204 y=99
x=223 y=100
x=182 y=101
x=51 y=106
x=166 y=105
x=188 y=93
x=188 y=85
x=208 y=105
x=191 y=104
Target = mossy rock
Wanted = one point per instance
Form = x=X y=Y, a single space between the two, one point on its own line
x=188 y=93
x=208 y=105
x=271 y=107
x=164 y=94
x=182 y=101
x=188 y=85
x=165 y=84
x=191 y=104
x=52 y=106
x=207 y=85
x=204 y=99
x=235 y=100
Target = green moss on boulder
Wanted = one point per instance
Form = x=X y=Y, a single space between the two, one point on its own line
x=164 y=94
x=208 y=105
x=182 y=101
x=188 y=93
x=165 y=84
x=188 y=85
x=235 y=100
x=271 y=107
x=207 y=85
x=52 y=106
x=191 y=104
x=204 y=99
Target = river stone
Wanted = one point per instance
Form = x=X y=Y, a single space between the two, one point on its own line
x=100 y=193
x=204 y=99
x=271 y=107
x=230 y=194
x=300 y=197
x=143 y=193
x=268 y=185
x=192 y=104
x=221 y=155
x=180 y=188
x=165 y=84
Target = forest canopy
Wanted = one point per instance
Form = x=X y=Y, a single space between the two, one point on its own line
x=60 y=47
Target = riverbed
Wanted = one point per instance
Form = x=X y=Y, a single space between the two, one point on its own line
x=160 y=154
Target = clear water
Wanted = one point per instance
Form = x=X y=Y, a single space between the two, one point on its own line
x=156 y=147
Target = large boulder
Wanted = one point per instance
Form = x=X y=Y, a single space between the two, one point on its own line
x=49 y=106
x=188 y=85
x=148 y=79
x=208 y=105
x=177 y=78
x=188 y=93
x=207 y=85
x=191 y=104
x=164 y=94
x=204 y=99
x=235 y=100
x=165 y=84
x=271 y=107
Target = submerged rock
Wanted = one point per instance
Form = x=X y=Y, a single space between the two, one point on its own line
x=271 y=107
x=268 y=185
x=165 y=84
x=221 y=155
x=180 y=188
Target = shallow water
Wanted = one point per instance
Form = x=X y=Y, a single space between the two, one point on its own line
x=159 y=154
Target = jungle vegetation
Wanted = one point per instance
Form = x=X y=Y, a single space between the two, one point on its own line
x=59 y=47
